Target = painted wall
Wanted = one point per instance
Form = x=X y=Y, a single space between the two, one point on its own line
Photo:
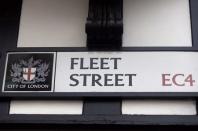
x=157 y=23
x=61 y=23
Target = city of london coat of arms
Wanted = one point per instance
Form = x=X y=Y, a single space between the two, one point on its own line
x=29 y=72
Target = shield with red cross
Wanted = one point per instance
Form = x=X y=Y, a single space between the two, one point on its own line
x=29 y=73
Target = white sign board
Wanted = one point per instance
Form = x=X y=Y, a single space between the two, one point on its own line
x=127 y=72
x=102 y=72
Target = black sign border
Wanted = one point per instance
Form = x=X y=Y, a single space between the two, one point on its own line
x=53 y=71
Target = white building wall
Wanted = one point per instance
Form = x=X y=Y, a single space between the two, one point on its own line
x=157 y=23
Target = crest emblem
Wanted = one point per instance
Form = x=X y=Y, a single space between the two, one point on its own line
x=30 y=71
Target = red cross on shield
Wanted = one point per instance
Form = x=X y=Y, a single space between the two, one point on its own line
x=29 y=73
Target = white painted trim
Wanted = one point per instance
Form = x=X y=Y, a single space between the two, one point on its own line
x=46 y=107
x=159 y=107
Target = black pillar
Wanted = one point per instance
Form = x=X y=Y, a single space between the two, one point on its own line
x=104 y=25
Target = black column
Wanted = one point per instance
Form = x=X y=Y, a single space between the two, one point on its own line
x=102 y=106
x=104 y=25
x=10 y=12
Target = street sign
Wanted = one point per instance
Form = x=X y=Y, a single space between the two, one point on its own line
x=101 y=72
